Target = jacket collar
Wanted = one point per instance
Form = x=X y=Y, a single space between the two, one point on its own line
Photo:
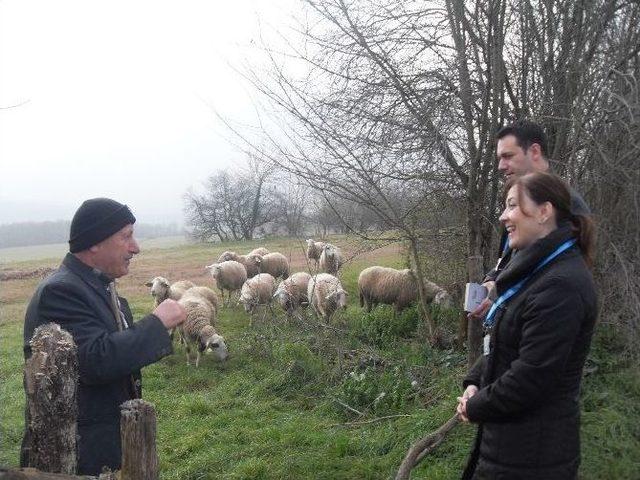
x=527 y=259
x=90 y=275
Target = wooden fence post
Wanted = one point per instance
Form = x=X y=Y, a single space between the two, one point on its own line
x=51 y=376
x=138 y=433
x=474 y=327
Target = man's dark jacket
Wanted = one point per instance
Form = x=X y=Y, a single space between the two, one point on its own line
x=76 y=298
x=527 y=406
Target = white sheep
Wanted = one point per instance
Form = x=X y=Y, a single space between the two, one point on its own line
x=249 y=262
x=199 y=328
x=326 y=295
x=257 y=291
x=394 y=287
x=330 y=259
x=258 y=251
x=229 y=275
x=161 y=289
x=314 y=249
x=275 y=264
x=292 y=292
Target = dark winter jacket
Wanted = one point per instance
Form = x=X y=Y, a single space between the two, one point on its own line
x=109 y=361
x=527 y=405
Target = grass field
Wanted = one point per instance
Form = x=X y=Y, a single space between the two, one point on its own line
x=277 y=409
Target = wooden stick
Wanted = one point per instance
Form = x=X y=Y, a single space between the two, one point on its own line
x=424 y=446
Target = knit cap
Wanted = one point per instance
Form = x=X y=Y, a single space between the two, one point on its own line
x=96 y=220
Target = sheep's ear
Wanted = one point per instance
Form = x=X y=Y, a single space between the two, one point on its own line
x=330 y=296
x=148 y=284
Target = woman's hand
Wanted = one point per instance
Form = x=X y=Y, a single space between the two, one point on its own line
x=469 y=392
x=482 y=309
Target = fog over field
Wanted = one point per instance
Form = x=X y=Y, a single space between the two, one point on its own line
x=115 y=99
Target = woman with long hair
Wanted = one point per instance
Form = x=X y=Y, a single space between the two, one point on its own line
x=523 y=392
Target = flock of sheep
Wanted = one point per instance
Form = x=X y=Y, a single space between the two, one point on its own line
x=255 y=277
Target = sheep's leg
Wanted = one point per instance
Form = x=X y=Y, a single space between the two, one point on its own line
x=197 y=358
x=188 y=351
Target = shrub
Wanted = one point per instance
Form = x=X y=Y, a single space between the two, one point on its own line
x=380 y=328
x=379 y=393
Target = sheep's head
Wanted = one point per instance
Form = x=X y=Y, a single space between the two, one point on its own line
x=214 y=344
x=283 y=297
x=339 y=296
x=214 y=269
x=159 y=288
x=226 y=256
x=254 y=259
x=442 y=298
x=247 y=299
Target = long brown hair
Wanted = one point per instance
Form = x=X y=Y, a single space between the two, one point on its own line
x=546 y=187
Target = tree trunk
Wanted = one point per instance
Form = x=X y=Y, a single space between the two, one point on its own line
x=422 y=297
x=50 y=378
x=138 y=433
x=474 y=327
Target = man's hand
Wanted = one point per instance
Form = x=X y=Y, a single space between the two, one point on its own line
x=170 y=313
x=485 y=305
x=469 y=392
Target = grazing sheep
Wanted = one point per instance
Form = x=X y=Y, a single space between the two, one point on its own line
x=161 y=289
x=209 y=295
x=292 y=292
x=394 y=287
x=326 y=295
x=314 y=249
x=330 y=259
x=258 y=251
x=229 y=275
x=198 y=327
x=257 y=291
x=275 y=264
x=249 y=263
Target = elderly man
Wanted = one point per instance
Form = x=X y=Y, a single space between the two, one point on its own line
x=80 y=296
x=521 y=149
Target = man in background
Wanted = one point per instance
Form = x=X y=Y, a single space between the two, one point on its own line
x=80 y=296
x=521 y=149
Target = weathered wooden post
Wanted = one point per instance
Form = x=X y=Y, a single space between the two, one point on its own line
x=138 y=433
x=51 y=376
x=474 y=327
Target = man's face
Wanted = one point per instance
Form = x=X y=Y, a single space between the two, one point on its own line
x=512 y=159
x=112 y=255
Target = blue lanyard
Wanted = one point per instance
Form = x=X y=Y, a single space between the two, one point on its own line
x=489 y=320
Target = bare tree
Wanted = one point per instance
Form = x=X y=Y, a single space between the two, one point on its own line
x=384 y=103
x=232 y=206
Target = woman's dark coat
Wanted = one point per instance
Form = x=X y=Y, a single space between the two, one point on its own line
x=109 y=361
x=527 y=405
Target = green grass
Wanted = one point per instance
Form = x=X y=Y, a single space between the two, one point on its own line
x=275 y=409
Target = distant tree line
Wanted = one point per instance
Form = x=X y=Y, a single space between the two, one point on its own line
x=243 y=205
x=23 y=234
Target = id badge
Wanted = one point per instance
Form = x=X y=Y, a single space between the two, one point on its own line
x=486 y=344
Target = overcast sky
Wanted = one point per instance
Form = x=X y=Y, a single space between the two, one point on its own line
x=111 y=98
